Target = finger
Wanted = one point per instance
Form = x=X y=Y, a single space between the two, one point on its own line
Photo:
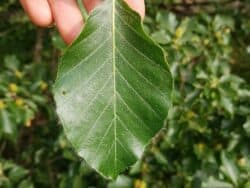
x=91 y=4
x=38 y=11
x=68 y=18
x=138 y=6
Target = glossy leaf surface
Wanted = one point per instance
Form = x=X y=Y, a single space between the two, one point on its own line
x=113 y=89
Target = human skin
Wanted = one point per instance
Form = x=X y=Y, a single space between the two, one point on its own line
x=66 y=15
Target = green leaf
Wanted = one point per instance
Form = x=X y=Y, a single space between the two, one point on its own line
x=17 y=173
x=247 y=185
x=26 y=184
x=212 y=182
x=78 y=183
x=11 y=62
x=161 y=37
x=223 y=21
x=167 y=20
x=113 y=89
x=121 y=182
x=7 y=125
x=246 y=126
x=227 y=105
x=229 y=168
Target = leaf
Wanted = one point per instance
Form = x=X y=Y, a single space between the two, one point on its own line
x=223 y=21
x=11 y=62
x=17 y=173
x=113 y=89
x=121 y=182
x=228 y=105
x=247 y=185
x=212 y=182
x=229 y=168
x=246 y=126
x=26 y=184
x=161 y=37
x=78 y=183
x=167 y=20
x=7 y=125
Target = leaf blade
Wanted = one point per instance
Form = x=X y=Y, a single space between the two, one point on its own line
x=108 y=114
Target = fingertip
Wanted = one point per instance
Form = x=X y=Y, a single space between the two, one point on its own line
x=91 y=4
x=45 y=19
x=138 y=6
x=38 y=11
x=72 y=34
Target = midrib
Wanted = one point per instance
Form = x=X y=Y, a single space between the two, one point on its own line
x=114 y=77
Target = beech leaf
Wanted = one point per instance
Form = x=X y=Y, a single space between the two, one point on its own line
x=113 y=89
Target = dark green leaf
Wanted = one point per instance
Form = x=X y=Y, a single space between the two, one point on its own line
x=113 y=89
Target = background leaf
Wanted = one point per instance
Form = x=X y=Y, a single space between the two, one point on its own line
x=216 y=183
x=229 y=168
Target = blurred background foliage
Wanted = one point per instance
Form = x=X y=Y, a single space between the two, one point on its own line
x=206 y=140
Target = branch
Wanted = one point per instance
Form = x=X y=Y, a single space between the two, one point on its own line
x=37 y=57
x=201 y=3
x=191 y=8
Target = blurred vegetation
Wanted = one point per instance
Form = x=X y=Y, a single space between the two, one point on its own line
x=206 y=140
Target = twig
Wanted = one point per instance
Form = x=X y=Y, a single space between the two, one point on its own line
x=37 y=57
x=210 y=7
x=200 y=3
x=3 y=145
x=51 y=175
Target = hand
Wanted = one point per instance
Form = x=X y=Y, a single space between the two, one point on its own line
x=66 y=14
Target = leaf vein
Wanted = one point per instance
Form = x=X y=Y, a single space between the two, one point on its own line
x=142 y=98
x=135 y=115
x=105 y=134
x=66 y=99
x=97 y=119
x=125 y=127
x=140 y=74
x=84 y=60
